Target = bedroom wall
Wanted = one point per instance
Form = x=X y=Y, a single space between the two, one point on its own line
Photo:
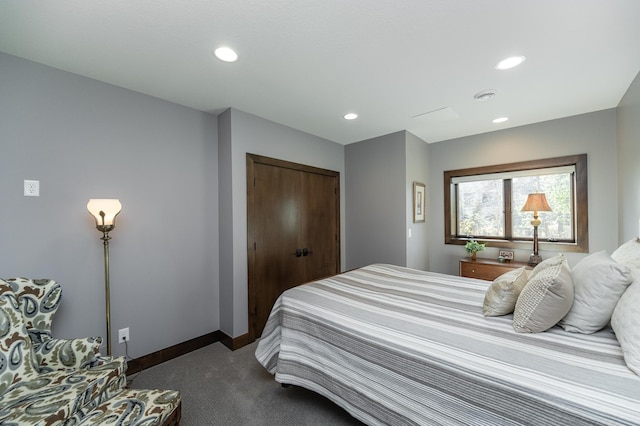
x=225 y=223
x=376 y=209
x=379 y=217
x=417 y=158
x=593 y=133
x=245 y=133
x=85 y=139
x=628 y=157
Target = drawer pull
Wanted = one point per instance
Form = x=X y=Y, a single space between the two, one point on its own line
x=473 y=270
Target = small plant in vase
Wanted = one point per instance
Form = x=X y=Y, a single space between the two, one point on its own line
x=473 y=247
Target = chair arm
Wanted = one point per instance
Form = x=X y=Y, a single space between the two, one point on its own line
x=67 y=354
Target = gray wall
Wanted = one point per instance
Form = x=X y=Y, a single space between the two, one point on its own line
x=376 y=209
x=85 y=139
x=594 y=134
x=225 y=225
x=628 y=162
x=417 y=170
x=245 y=133
x=380 y=176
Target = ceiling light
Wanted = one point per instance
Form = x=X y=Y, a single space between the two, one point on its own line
x=350 y=116
x=226 y=54
x=485 y=95
x=511 y=62
x=500 y=120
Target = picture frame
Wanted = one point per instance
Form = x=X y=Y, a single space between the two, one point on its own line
x=419 y=202
x=506 y=255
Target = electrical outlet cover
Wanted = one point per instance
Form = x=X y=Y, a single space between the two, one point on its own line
x=123 y=335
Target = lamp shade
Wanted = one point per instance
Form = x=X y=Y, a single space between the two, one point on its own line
x=109 y=207
x=536 y=203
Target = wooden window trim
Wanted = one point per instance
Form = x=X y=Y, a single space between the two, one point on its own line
x=581 y=193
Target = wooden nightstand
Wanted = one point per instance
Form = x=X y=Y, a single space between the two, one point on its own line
x=487 y=269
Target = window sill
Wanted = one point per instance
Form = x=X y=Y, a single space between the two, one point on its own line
x=527 y=245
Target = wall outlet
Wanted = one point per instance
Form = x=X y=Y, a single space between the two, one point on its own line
x=123 y=335
x=31 y=188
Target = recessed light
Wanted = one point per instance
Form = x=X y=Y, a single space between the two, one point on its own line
x=350 y=116
x=485 y=95
x=500 y=120
x=511 y=62
x=226 y=54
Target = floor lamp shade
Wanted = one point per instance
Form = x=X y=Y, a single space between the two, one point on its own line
x=536 y=203
x=104 y=212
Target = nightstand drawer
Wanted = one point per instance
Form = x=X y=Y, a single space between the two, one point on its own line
x=486 y=269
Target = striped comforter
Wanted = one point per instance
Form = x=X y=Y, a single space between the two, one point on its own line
x=398 y=346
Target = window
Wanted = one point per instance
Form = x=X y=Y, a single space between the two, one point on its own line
x=484 y=203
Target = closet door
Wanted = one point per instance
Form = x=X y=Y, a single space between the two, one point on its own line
x=319 y=226
x=292 y=230
x=276 y=247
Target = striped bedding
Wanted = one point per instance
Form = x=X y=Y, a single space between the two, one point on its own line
x=393 y=345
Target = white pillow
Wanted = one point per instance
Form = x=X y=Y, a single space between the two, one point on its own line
x=629 y=255
x=625 y=320
x=502 y=294
x=547 y=263
x=545 y=299
x=598 y=283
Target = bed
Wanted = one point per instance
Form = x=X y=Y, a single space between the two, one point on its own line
x=397 y=346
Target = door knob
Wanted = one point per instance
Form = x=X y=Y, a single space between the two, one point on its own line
x=299 y=253
x=306 y=251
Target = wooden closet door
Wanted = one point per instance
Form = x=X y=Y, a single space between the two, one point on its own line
x=277 y=263
x=293 y=216
x=319 y=227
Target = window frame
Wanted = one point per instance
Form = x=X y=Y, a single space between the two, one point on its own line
x=580 y=194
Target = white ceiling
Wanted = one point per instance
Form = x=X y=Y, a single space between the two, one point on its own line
x=305 y=63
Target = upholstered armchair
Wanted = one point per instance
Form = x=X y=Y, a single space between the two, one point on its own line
x=49 y=381
x=39 y=301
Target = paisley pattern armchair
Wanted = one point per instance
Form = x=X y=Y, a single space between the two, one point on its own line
x=49 y=381
x=39 y=301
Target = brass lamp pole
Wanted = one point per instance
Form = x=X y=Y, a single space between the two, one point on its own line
x=105 y=211
x=536 y=203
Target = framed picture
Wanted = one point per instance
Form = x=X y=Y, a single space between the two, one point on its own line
x=418 y=202
x=506 y=255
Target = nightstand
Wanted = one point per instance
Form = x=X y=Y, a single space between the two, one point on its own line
x=487 y=269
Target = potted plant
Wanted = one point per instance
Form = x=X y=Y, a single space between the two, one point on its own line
x=473 y=247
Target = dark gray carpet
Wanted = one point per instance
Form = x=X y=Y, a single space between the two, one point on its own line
x=224 y=387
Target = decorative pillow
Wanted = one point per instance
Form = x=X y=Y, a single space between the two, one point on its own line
x=545 y=299
x=624 y=321
x=598 y=283
x=501 y=296
x=629 y=255
x=63 y=354
x=16 y=357
x=553 y=261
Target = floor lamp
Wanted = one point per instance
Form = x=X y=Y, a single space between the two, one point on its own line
x=536 y=203
x=105 y=211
